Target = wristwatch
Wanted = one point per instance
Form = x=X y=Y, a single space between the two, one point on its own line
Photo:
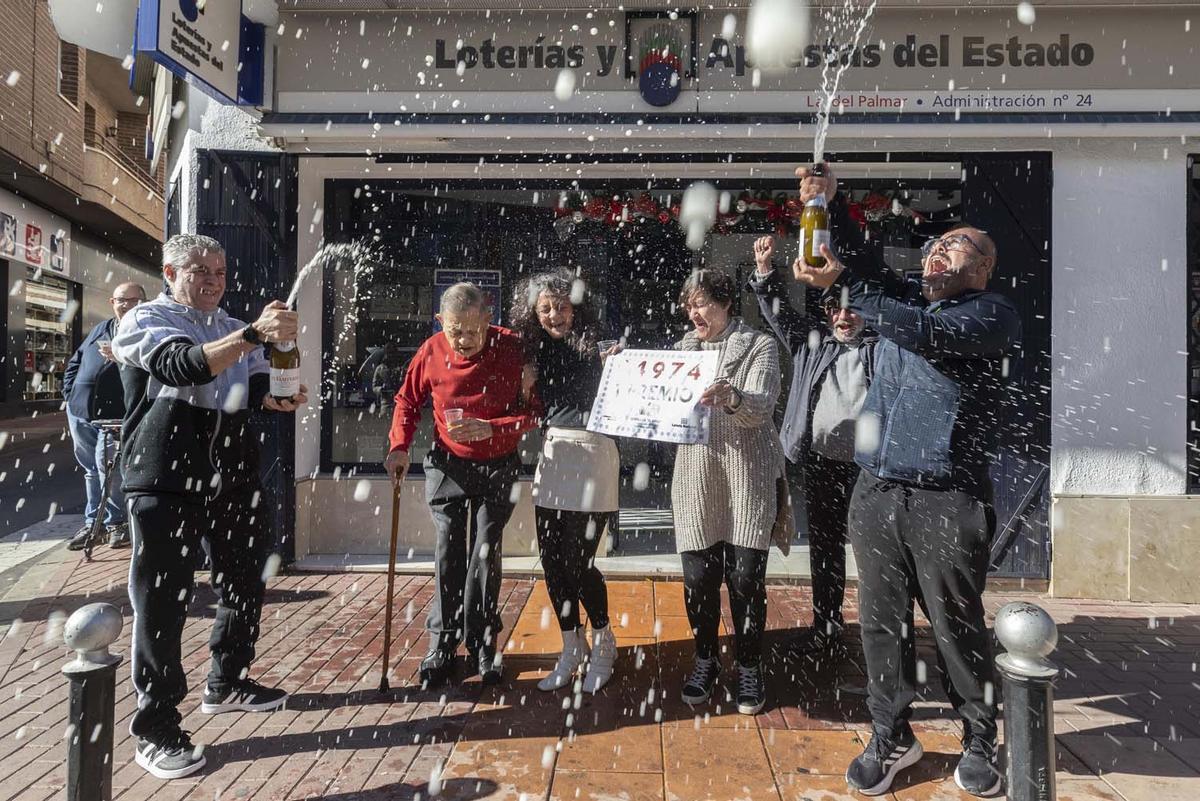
x=251 y=336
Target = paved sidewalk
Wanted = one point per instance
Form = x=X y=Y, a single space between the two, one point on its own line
x=1128 y=705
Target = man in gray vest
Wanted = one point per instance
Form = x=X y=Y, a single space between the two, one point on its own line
x=831 y=360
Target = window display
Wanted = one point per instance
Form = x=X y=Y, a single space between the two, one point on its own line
x=48 y=336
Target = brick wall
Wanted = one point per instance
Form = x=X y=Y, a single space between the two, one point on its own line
x=106 y=115
x=131 y=137
x=16 y=102
x=52 y=114
x=33 y=114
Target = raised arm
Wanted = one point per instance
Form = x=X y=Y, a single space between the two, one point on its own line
x=987 y=325
x=847 y=238
x=789 y=325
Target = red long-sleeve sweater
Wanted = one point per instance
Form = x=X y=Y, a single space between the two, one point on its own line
x=486 y=386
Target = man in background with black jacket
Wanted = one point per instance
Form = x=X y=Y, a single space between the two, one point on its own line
x=92 y=389
x=921 y=516
x=831 y=370
x=190 y=465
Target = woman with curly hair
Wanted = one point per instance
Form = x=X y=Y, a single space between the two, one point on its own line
x=575 y=487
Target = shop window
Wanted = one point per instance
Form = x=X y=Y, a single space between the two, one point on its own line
x=68 y=72
x=48 y=336
x=624 y=241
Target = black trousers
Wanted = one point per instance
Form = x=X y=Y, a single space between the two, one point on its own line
x=167 y=533
x=744 y=571
x=568 y=542
x=827 y=487
x=932 y=546
x=471 y=502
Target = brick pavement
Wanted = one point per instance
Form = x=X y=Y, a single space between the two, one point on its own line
x=1128 y=705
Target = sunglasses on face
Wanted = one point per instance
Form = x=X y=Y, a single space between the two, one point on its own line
x=951 y=242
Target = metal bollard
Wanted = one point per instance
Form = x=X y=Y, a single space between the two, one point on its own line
x=1029 y=635
x=89 y=632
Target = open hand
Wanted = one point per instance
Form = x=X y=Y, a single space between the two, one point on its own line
x=764 y=248
x=818 y=277
x=470 y=430
x=288 y=405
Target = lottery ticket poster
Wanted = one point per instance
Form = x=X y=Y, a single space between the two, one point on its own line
x=655 y=394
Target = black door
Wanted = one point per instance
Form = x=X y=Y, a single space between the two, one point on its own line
x=248 y=203
x=1008 y=195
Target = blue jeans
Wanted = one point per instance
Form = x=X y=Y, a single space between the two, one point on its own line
x=92 y=457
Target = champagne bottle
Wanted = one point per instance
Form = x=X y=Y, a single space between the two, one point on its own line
x=285 y=371
x=814 y=227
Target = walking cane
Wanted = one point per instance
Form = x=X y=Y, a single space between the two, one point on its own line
x=391 y=581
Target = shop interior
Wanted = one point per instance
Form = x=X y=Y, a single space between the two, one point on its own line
x=623 y=239
x=50 y=336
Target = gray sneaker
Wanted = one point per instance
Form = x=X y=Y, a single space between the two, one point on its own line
x=118 y=535
x=80 y=538
x=169 y=753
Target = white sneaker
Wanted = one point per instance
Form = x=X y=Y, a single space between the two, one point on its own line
x=573 y=654
x=602 y=661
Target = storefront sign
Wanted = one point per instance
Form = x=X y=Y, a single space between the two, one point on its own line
x=961 y=60
x=209 y=43
x=30 y=234
x=655 y=394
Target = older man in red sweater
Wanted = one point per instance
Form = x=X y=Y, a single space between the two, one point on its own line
x=473 y=372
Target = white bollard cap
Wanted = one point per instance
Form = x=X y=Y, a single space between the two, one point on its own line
x=89 y=631
x=1029 y=635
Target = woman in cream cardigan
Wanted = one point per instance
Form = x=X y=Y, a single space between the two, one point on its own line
x=728 y=501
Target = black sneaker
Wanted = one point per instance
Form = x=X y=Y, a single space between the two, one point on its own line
x=872 y=771
x=80 y=538
x=699 y=685
x=168 y=753
x=436 y=667
x=751 y=691
x=819 y=639
x=243 y=695
x=978 y=770
x=488 y=667
x=118 y=535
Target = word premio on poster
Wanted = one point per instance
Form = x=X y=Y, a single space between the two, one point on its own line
x=655 y=394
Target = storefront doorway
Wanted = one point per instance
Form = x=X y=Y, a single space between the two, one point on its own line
x=622 y=237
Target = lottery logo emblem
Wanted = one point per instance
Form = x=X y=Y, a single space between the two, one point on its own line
x=660 y=65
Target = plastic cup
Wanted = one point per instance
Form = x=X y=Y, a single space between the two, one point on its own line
x=606 y=345
x=453 y=417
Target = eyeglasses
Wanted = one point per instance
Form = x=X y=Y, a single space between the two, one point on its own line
x=127 y=301
x=951 y=242
x=197 y=270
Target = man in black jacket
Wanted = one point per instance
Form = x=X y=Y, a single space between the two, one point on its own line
x=831 y=369
x=192 y=376
x=921 y=516
x=92 y=389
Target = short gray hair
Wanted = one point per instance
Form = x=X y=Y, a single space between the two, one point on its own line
x=178 y=249
x=462 y=297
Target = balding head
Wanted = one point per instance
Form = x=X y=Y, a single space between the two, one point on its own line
x=959 y=260
x=125 y=297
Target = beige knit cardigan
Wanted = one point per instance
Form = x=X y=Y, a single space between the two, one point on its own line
x=726 y=490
